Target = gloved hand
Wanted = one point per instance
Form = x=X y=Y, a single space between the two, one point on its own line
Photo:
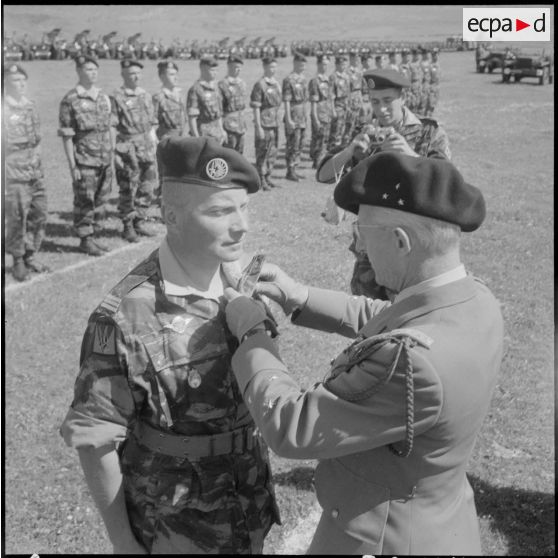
x=243 y=313
x=279 y=287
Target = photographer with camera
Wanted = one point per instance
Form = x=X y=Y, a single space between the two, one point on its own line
x=393 y=128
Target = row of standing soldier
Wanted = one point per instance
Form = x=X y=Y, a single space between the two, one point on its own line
x=120 y=132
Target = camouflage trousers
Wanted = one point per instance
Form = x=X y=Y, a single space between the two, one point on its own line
x=211 y=130
x=215 y=505
x=293 y=149
x=337 y=129
x=91 y=193
x=266 y=151
x=319 y=141
x=363 y=280
x=25 y=211
x=413 y=98
x=432 y=98
x=137 y=181
x=235 y=141
x=352 y=120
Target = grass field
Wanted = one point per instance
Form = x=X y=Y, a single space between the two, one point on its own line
x=502 y=139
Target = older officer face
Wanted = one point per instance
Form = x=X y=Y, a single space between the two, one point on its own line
x=211 y=224
x=387 y=105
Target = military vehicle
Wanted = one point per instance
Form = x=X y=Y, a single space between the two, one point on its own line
x=490 y=60
x=537 y=66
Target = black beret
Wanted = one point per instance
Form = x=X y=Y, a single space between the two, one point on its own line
x=208 y=60
x=298 y=56
x=425 y=186
x=414 y=51
x=129 y=62
x=267 y=60
x=322 y=58
x=384 y=78
x=166 y=65
x=12 y=69
x=340 y=58
x=204 y=161
x=83 y=59
x=235 y=59
x=405 y=51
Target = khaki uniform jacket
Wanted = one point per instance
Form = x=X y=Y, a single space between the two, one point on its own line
x=375 y=502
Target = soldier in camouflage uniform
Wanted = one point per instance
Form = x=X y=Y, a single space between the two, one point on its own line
x=25 y=199
x=265 y=100
x=434 y=86
x=204 y=104
x=411 y=135
x=425 y=89
x=295 y=98
x=233 y=94
x=341 y=89
x=321 y=110
x=169 y=106
x=414 y=94
x=135 y=151
x=356 y=105
x=87 y=132
x=167 y=445
x=392 y=60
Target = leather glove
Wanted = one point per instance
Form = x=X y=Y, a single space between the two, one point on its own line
x=243 y=314
x=282 y=289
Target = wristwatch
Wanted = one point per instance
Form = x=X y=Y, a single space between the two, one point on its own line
x=257 y=329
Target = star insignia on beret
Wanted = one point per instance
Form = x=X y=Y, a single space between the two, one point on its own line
x=371 y=83
x=385 y=196
x=400 y=201
x=217 y=168
x=397 y=186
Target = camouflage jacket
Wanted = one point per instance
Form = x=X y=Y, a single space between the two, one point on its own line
x=266 y=95
x=153 y=358
x=170 y=110
x=416 y=72
x=295 y=91
x=86 y=117
x=426 y=69
x=233 y=94
x=355 y=86
x=21 y=133
x=405 y=69
x=204 y=101
x=341 y=88
x=434 y=73
x=319 y=91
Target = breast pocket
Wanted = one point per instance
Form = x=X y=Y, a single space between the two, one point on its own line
x=359 y=508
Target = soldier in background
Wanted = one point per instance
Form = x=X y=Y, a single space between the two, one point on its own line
x=169 y=105
x=87 y=132
x=392 y=61
x=135 y=151
x=414 y=94
x=321 y=110
x=434 y=86
x=265 y=100
x=341 y=89
x=425 y=67
x=233 y=95
x=379 y=61
x=204 y=104
x=405 y=65
x=355 y=108
x=295 y=98
x=25 y=198
x=168 y=448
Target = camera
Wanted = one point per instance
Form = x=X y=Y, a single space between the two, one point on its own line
x=377 y=134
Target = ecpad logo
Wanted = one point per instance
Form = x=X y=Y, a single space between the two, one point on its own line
x=506 y=24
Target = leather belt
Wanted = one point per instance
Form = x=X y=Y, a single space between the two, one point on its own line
x=195 y=447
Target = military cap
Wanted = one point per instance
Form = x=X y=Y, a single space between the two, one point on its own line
x=353 y=51
x=378 y=56
x=405 y=51
x=384 y=78
x=424 y=186
x=235 y=59
x=435 y=50
x=414 y=51
x=129 y=62
x=208 y=60
x=298 y=56
x=340 y=58
x=83 y=59
x=12 y=69
x=267 y=60
x=322 y=58
x=204 y=161
x=166 y=65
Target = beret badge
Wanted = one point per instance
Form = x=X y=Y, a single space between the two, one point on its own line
x=217 y=168
x=370 y=83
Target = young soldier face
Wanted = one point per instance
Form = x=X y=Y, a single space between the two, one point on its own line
x=131 y=76
x=387 y=105
x=299 y=66
x=169 y=77
x=322 y=66
x=15 y=85
x=234 y=68
x=88 y=73
x=208 y=73
x=270 y=69
x=214 y=223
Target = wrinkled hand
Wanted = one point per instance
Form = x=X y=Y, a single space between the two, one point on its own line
x=243 y=313
x=396 y=142
x=282 y=289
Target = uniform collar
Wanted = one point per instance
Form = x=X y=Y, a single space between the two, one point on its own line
x=270 y=80
x=231 y=79
x=409 y=119
x=437 y=281
x=136 y=91
x=340 y=74
x=13 y=103
x=207 y=84
x=93 y=92
x=323 y=77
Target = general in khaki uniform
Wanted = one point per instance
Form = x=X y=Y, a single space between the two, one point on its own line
x=234 y=97
x=156 y=381
x=265 y=100
x=25 y=196
x=295 y=98
x=395 y=421
x=135 y=152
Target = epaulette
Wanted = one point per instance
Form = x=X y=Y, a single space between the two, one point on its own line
x=428 y=120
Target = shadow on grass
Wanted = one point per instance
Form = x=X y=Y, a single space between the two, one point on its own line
x=299 y=477
x=524 y=518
